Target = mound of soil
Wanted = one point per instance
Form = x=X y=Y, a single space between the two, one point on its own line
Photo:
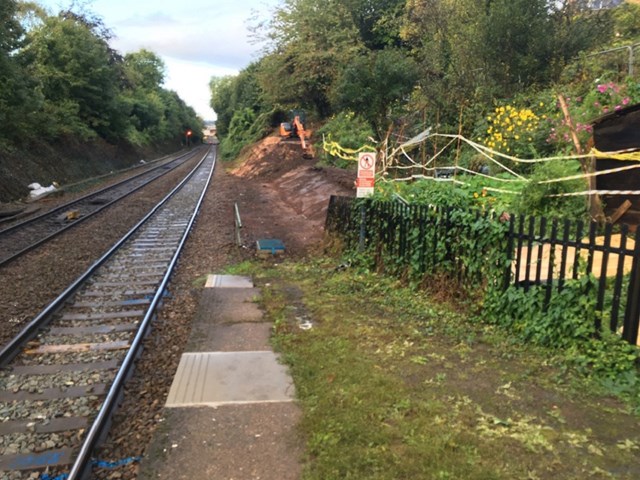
x=285 y=196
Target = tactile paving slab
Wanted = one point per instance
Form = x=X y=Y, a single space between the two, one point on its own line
x=228 y=281
x=223 y=378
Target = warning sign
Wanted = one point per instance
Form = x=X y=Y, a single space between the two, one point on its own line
x=365 y=182
x=366 y=174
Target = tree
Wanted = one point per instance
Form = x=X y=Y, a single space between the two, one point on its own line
x=17 y=98
x=517 y=43
x=222 y=101
x=443 y=37
x=144 y=73
x=144 y=69
x=78 y=75
x=233 y=93
x=377 y=21
x=310 y=42
x=372 y=83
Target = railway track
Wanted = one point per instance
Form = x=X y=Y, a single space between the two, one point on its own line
x=22 y=237
x=62 y=377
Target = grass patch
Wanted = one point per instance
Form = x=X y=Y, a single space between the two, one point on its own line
x=394 y=386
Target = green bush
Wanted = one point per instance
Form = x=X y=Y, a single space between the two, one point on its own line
x=350 y=131
x=535 y=199
x=245 y=128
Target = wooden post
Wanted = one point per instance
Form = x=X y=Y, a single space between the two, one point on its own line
x=594 y=204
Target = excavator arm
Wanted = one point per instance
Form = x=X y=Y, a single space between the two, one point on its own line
x=296 y=129
x=300 y=131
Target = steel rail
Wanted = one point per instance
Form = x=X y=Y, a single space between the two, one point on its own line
x=83 y=462
x=68 y=205
x=12 y=348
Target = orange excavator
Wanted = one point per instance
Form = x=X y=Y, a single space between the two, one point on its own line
x=295 y=129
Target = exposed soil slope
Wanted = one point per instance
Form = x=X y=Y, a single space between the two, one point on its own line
x=285 y=196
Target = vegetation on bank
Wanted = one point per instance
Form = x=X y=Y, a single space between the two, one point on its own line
x=394 y=383
x=59 y=79
x=495 y=72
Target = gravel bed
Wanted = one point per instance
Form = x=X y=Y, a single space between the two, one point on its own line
x=32 y=281
x=31 y=384
x=40 y=410
x=35 y=443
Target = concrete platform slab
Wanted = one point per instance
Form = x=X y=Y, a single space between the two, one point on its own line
x=239 y=442
x=228 y=281
x=229 y=305
x=241 y=337
x=220 y=378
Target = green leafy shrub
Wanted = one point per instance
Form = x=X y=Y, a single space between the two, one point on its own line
x=535 y=199
x=350 y=131
x=569 y=317
x=245 y=128
x=567 y=323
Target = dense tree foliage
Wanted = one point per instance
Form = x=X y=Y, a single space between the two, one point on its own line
x=383 y=59
x=59 y=77
x=17 y=99
x=371 y=84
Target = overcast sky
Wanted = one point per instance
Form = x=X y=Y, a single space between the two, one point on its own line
x=197 y=39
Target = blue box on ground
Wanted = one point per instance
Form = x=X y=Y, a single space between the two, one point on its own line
x=270 y=245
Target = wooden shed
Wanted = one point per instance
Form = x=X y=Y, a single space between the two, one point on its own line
x=619 y=130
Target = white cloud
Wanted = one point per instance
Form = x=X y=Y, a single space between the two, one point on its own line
x=222 y=46
x=191 y=81
x=196 y=39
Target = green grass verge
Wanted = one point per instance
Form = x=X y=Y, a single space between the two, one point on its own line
x=395 y=386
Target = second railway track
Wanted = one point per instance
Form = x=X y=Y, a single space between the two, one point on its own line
x=28 y=234
x=59 y=390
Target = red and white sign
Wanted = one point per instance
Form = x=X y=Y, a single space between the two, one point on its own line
x=366 y=174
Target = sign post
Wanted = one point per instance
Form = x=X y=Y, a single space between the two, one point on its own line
x=365 y=181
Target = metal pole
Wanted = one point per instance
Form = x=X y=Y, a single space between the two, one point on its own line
x=363 y=230
x=238 y=223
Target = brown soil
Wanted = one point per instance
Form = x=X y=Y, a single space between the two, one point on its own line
x=282 y=195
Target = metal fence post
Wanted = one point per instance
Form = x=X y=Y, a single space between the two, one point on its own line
x=363 y=228
x=632 y=312
x=238 y=223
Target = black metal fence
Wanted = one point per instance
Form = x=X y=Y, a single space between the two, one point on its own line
x=539 y=251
